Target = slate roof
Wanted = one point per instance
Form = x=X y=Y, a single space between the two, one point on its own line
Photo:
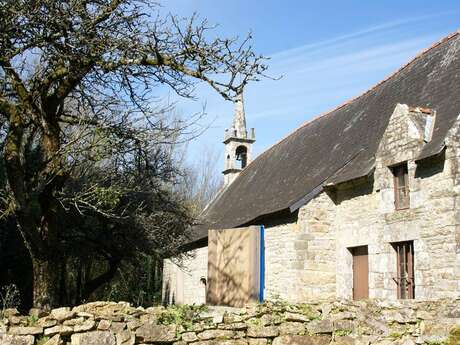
x=341 y=144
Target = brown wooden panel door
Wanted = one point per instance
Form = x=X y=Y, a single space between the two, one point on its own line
x=360 y=272
x=233 y=266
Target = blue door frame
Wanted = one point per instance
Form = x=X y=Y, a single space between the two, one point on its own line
x=262 y=264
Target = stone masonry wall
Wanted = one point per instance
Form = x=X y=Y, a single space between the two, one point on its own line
x=340 y=323
x=281 y=262
x=183 y=279
x=362 y=212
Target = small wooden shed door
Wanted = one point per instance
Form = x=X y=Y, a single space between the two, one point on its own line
x=360 y=272
x=233 y=266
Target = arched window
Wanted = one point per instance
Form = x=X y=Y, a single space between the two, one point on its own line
x=241 y=156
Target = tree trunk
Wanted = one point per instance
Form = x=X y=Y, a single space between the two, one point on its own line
x=92 y=285
x=46 y=283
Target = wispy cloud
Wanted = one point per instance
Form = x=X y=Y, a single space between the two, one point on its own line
x=319 y=76
x=312 y=82
x=379 y=28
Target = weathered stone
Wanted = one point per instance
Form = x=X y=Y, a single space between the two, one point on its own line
x=7 y=339
x=189 y=336
x=255 y=331
x=296 y=317
x=344 y=325
x=326 y=309
x=107 y=310
x=85 y=314
x=424 y=315
x=62 y=330
x=103 y=325
x=215 y=334
x=293 y=328
x=26 y=330
x=16 y=320
x=239 y=335
x=93 y=338
x=148 y=318
x=46 y=322
x=134 y=324
x=320 y=326
x=7 y=313
x=435 y=327
x=154 y=310
x=257 y=341
x=301 y=340
x=156 y=333
x=3 y=327
x=399 y=316
x=234 y=326
x=222 y=342
x=352 y=340
x=87 y=325
x=62 y=314
x=117 y=327
x=55 y=340
x=268 y=319
x=216 y=315
x=73 y=322
x=125 y=337
x=232 y=318
x=371 y=326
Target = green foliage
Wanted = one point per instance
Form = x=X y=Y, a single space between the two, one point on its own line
x=255 y=321
x=107 y=197
x=454 y=336
x=307 y=310
x=32 y=320
x=439 y=342
x=181 y=315
x=342 y=332
x=138 y=283
x=42 y=340
x=276 y=306
x=9 y=298
x=395 y=335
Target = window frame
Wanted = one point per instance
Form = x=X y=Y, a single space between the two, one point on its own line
x=398 y=170
x=405 y=284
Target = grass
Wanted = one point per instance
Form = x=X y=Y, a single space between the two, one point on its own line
x=42 y=340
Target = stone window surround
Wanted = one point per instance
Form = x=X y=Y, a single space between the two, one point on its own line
x=401 y=203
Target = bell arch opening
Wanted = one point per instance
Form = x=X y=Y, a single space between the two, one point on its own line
x=241 y=156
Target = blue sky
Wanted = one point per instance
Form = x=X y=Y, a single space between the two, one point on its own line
x=326 y=52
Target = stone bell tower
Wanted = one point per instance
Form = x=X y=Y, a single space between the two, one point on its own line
x=238 y=143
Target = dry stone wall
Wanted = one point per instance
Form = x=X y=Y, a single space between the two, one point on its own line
x=276 y=323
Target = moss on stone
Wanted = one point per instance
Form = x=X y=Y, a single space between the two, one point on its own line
x=454 y=336
x=342 y=332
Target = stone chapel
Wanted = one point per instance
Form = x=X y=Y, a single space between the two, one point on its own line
x=361 y=202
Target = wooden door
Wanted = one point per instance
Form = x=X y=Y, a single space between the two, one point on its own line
x=360 y=272
x=233 y=266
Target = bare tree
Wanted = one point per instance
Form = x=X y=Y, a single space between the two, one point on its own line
x=201 y=179
x=77 y=81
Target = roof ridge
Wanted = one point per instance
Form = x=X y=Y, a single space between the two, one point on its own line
x=328 y=112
